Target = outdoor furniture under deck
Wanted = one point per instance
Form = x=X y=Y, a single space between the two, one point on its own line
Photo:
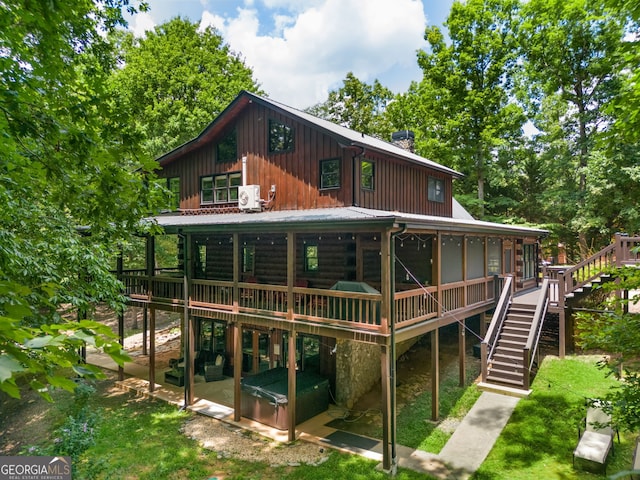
x=265 y=399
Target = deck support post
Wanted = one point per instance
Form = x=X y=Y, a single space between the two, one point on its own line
x=435 y=374
x=462 y=352
x=145 y=326
x=119 y=268
x=189 y=349
x=237 y=371
x=562 y=341
x=152 y=347
x=388 y=411
x=291 y=385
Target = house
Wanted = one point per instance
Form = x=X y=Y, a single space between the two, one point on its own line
x=311 y=255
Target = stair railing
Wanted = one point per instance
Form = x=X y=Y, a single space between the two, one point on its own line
x=495 y=327
x=530 y=348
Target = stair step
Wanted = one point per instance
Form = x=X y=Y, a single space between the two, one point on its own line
x=504 y=380
x=505 y=357
x=506 y=365
x=509 y=330
x=515 y=344
x=518 y=317
x=505 y=374
x=515 y=336
x=510 y=351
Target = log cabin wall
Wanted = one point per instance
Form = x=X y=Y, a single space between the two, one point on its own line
x=399 y=185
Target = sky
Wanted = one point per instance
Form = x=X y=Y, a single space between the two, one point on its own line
x=299 y=50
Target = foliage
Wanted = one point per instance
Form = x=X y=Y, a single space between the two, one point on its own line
x=72 y=185
x=175 y=80
x=617 y=332
x=571 y=51
x=78 y=431
x=358 y=106
x=464 y=113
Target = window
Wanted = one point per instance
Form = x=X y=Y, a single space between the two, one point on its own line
x=223 y=188
x=248 y=259
x=494 y=256
x=330 y=173
x=281 y=137
x=310 y=258
x=206 y=190
x=367 y=175
x=227 y=149
x=528 y=261
x=435 y=190
x=173 y=184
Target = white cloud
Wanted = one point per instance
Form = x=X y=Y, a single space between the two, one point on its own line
x=141 y=23
x=310 y=52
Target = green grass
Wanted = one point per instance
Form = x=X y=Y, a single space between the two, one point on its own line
x=542 y=433
x=455 y=402
x=142 y=439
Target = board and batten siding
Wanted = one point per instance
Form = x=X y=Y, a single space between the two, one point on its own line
x=399 y=185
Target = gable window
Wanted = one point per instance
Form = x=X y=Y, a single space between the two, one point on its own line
x=435 y=190
x=367 y=175
x=281 y=137
x=330 y=173
x=220 y=188
x=311 y=258
x=173 y=185
x=227 y=149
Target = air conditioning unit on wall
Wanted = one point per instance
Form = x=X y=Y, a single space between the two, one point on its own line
x=249 y=198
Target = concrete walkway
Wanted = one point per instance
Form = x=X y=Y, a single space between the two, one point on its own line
x=474 y=438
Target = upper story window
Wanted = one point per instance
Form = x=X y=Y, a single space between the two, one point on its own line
x=367 y=175
x=330 y=173
x=281 y=137
x=173 y=185
x=435 y=190
x=227 y=148
x=220 y=188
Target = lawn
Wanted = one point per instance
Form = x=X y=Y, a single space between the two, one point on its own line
x=542 y=433
x=140 y=438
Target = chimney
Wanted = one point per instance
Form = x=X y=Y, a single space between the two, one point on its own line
x=404 y=139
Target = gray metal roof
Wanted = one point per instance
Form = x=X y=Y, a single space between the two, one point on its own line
x=358 y=138
x=334 y=218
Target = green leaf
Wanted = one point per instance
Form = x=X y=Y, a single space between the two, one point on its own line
x=8 y=367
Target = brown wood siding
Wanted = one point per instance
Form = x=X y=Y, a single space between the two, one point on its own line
x=399 y=185
x=403 y=187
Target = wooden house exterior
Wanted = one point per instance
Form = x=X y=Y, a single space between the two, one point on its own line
x=296 y=232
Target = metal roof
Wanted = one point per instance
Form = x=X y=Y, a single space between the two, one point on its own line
x=333 y=218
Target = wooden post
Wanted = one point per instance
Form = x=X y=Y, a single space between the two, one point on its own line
x=484 y=368
x=435 y=375
x=152 y=348
x=291 y=274
x=236 y=272
x=291 y=390
x=119 y=268
x=237 y=371
x=387 y=411
x=462 y=351
x=525 y=368
x=562 y=317
x=145 y=325
x=188 y=325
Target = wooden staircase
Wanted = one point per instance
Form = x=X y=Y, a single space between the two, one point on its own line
x=506 y=365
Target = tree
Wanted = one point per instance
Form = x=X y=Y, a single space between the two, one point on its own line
x=570 y=50
x=72 y=187
x=358 y=106
x=464 y=92
x=617 y=331
x=175 y=80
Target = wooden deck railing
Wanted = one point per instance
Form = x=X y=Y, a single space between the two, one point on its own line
x=351 y=309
